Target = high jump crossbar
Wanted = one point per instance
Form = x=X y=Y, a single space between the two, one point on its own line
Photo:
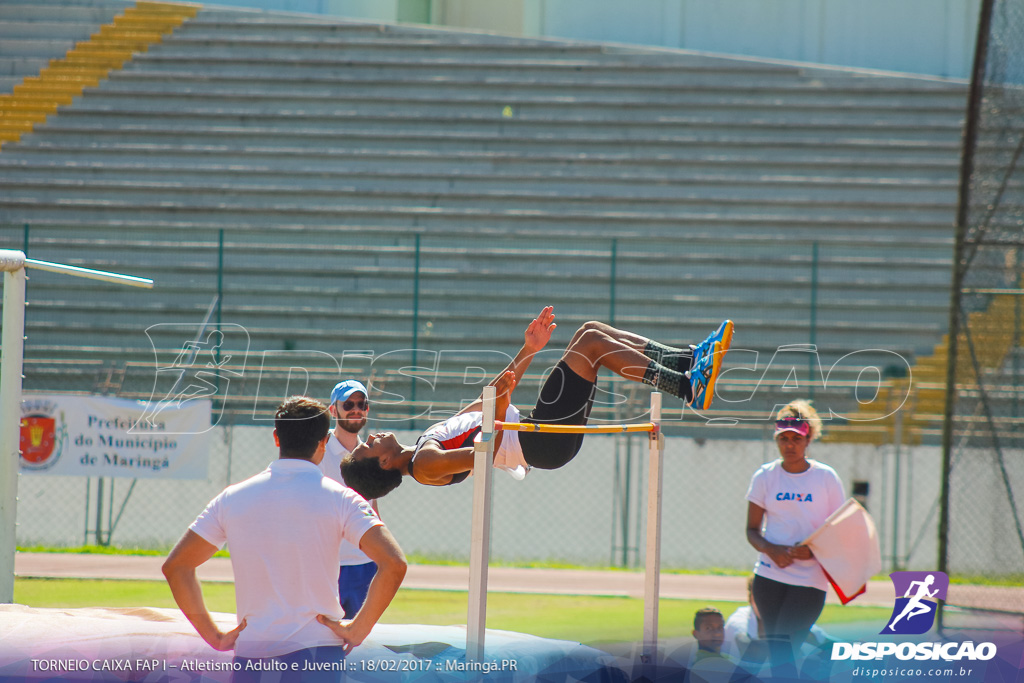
x=574 y=429
x=90 y=273
x=12 y=349
x=480 y=540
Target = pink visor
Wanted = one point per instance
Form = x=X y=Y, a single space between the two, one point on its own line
x=792 y=424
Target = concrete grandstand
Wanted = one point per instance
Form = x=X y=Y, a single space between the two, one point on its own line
x=348 y=186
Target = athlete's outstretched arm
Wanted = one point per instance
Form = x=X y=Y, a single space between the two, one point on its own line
x=535 y=338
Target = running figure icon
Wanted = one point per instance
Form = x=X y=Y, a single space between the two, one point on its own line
x=915 y=605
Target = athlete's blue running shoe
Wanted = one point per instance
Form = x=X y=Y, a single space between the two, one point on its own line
x=722 y=334
x=706 y=364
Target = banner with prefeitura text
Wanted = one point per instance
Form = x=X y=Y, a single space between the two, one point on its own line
x=100 y=436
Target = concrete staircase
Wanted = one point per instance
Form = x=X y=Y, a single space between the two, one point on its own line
x=36 y=97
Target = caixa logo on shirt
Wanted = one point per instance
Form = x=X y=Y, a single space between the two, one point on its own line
x=799 y=497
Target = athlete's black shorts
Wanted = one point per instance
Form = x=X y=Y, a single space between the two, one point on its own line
x=566 y=399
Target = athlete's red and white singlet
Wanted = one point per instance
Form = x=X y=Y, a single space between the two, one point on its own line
x=460 y=431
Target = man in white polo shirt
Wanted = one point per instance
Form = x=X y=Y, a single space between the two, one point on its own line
x=284 y=527
x=349 y=407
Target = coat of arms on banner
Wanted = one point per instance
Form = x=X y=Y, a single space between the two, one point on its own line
x=44 y=434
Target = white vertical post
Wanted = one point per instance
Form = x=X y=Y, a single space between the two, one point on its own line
x=480 y=540
x=12 y=339
x=652 y=561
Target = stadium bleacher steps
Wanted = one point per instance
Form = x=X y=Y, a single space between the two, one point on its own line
x=85 y=65
x=349 y=164
x=991 y=332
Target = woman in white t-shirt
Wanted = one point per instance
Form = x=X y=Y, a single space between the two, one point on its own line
x=788 y=499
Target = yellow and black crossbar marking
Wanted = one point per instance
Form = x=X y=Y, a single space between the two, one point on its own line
x=87 y=64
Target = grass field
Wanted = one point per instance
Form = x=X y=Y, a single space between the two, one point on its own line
x=1014 y=579
x=586 y=619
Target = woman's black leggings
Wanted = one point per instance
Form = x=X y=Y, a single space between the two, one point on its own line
x=788 y=613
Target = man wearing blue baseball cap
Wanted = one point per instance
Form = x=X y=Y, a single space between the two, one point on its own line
x=349 y=406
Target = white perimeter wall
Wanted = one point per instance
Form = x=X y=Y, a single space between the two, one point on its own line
x=565 y=515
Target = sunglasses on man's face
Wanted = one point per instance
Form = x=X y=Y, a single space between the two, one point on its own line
x=352 y=405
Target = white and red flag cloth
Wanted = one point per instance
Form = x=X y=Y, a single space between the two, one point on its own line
x=846 y=546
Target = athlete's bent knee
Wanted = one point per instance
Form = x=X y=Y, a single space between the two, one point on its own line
x=591 y=342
